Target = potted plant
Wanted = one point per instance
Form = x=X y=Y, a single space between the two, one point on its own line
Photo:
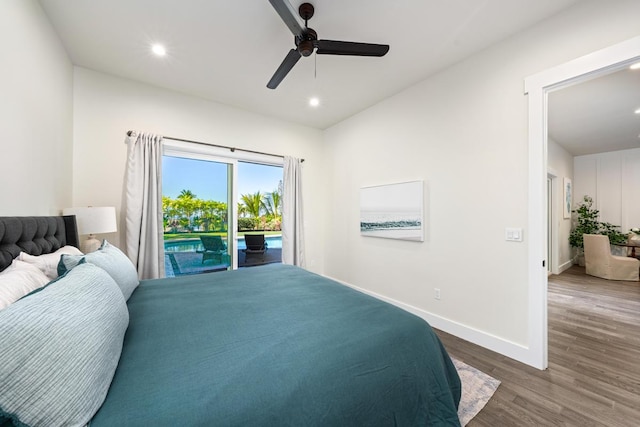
x=586 y=222
x=616 y=238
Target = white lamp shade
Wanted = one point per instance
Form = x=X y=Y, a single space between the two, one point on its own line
x=94 y=220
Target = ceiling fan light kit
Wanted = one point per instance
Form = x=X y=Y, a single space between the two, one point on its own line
x=306 y=41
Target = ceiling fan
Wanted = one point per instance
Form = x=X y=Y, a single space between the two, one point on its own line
x=306 y=40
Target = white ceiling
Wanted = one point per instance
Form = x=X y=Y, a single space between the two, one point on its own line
x=226 y=51
x=597 y=116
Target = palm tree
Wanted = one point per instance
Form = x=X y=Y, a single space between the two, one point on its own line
x=242 y=210
x=186 y=202
x=186 y=194
x=170 y=213
x=272 y=203
x=253 y=203
x=215 y=214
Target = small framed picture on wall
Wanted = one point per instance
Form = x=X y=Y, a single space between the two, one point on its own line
x=567 y=196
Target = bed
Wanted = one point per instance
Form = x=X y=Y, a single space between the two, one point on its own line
x=270 y=345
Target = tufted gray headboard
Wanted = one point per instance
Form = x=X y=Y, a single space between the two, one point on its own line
x=35 y=235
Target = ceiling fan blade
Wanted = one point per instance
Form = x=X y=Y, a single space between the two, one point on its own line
x=288 y=15
x=289 y=61
x=333 y=47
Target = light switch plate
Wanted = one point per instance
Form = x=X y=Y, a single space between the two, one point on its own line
x=513 y=234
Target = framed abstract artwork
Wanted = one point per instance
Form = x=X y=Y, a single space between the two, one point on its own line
x=393 y=211
x=567 y=196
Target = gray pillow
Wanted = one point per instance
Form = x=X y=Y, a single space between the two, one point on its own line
x=60 y=349
x=110 y=259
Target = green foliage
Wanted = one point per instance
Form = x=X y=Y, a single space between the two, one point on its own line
x=616 y=237
x=186 y=194
x=253 y=203
x=586 y=222
x=242 y=210
x=246 y=224
x=272 y=203
x=187 y=213
x=264 y=209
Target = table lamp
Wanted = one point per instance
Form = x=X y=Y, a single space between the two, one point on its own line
x=92 y=221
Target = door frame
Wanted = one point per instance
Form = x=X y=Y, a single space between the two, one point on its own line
x=552 y=225
x=222 y=155
x=538 y=87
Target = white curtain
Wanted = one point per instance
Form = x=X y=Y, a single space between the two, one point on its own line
x=292 y=219
x=143 y=205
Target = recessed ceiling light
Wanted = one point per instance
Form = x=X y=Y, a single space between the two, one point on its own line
x=637 y=111
x=159 y=50
x=314 y=102
x=635 y=66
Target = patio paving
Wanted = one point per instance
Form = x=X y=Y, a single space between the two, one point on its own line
x=183 y=263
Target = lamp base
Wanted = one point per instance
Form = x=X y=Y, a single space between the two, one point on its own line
x=91 y=244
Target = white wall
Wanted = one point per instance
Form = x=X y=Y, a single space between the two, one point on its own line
x=560 y=164
x=35 y=112
x=106 y=107
x=464 y=131
x=612 y=179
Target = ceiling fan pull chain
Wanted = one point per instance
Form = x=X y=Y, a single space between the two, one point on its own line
x=315 y=66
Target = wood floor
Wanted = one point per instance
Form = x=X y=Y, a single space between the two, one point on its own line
x=594 y=360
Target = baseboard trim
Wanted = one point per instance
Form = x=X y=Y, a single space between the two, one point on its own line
x=499 y=345
x=564 y=267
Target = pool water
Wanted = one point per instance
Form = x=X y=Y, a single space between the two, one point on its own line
x=193 y=245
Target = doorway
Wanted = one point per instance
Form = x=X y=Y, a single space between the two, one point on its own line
x=537 y=87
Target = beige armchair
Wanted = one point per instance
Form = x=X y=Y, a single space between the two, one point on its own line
x=600 y=263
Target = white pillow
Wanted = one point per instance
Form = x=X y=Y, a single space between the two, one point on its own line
x=59 y=350
x=18 y=280
x=48 y=263
x=110 y=259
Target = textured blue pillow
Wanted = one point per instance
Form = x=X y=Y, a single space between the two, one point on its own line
x=110 y=259
x=60 y=348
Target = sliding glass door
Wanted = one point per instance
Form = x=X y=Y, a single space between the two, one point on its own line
x=198 y=213
x=259 y=212
x=211 y=203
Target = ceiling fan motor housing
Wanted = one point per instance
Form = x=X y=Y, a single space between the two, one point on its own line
x=306 y=43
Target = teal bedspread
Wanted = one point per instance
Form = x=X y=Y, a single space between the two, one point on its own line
x=276 y=346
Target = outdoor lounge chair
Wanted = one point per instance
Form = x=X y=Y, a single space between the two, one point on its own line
x=256 y=245
x=214 y=248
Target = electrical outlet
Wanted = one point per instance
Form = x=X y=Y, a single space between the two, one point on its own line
x=437 y=295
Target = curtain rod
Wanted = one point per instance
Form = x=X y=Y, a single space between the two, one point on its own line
x=232 y=149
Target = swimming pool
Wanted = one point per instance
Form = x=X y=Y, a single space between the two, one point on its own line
x=193 y=245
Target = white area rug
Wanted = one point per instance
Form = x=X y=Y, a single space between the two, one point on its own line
x=477 y=389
